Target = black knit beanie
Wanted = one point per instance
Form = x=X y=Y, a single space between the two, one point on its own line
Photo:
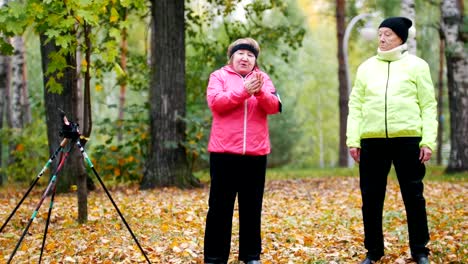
x=399 y=25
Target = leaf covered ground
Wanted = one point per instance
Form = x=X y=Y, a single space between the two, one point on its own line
x=315 y=220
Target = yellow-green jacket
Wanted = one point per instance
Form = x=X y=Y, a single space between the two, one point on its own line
x=393 y=96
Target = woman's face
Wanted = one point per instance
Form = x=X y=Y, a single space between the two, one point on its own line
x=388 y=39
x=243 y=61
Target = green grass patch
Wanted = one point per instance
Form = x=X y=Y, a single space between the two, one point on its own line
x=433 y=173
x=287 y=173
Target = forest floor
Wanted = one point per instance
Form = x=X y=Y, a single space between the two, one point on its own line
x=306 y=220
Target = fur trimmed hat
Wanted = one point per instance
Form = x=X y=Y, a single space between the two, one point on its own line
x=399 y=25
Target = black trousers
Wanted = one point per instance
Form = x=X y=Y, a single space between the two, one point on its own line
x=242 y=176
x=377 y=156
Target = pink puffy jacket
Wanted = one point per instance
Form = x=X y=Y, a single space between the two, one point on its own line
x=240 y=124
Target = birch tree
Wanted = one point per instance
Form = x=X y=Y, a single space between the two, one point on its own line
x=18 y=112
x=408 y=10
x=19 y=108
x=4 y=80
x=452 y=27
x=4 y=61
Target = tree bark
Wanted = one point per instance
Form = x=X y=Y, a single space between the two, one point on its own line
x=19 y=102
x=408 y=10
x=440 y=101
x=54 y=102
x=4 y=82
x=15 y=112
x=4 y=87
x=84 y=181
x=68 y=102
x=343 y=82
x=457 y=82
x=123 y=83
x=16 y=116
x=167 y=163
x=87 y=116
x=26 y=103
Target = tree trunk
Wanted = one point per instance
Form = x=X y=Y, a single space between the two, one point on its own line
x=15 y=119
x=26 y=103
x=408 y=10
x=123 y=83
x=457 y=82
x=4 y=82
x=15 y=115
x=87 y=117
x=167 y=163
x=54 y=102
x=440 y=101
x=83 y=181
x=319 y=124
x=20 y=107
x=343 y=82
x=68 y=102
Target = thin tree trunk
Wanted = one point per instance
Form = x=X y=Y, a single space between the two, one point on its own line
x=440 y=101
x=457 y=82
x=123 y=84
x=87 y=117
x=408 y=10
x=320 y=132
x=26 y=103
x=15 y=100
x=79 y=67
x=16 y=119
x=84 y=182
x=343 y=82
x=4 y=82
x=167 y=163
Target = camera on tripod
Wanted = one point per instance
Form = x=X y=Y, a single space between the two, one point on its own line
x=70 y=129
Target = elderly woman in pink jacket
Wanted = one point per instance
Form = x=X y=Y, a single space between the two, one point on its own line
x=240 y=97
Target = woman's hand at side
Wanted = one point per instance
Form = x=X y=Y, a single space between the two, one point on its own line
x=355 y=153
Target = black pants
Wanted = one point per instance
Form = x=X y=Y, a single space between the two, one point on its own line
x=377 y=156
x=231 y=176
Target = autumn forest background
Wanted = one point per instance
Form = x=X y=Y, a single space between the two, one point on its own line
x=133 y=74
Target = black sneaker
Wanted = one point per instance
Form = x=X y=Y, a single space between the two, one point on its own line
x=367 y=261
x=422 y=260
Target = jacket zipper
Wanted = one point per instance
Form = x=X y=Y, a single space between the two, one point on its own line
x=244 y=143
x=386 y=90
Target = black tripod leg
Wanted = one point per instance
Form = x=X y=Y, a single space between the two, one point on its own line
x=62 y=144
x=21 y=238
x=19 y=204
x=47 y=222
x=33 y=216
x=88 y=160
x=52 y=185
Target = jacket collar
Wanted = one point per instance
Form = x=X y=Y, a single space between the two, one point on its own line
x=228 y=68
x=393 y=54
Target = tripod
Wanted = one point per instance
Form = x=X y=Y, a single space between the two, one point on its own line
x=71 y=135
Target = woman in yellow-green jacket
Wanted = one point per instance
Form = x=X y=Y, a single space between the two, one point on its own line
x=393 y=119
